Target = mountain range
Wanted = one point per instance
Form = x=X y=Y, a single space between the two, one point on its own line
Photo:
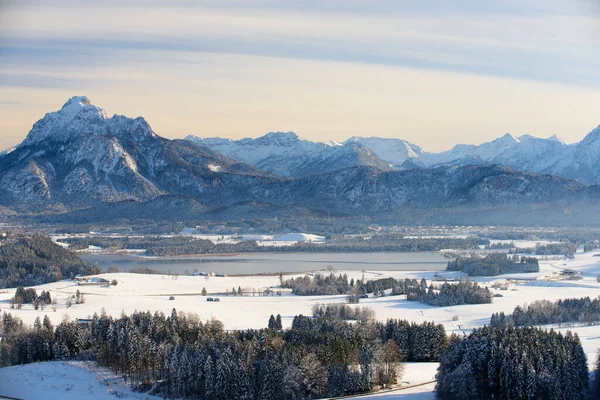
x=285 y=154
x=78 y=156
x=80 y=163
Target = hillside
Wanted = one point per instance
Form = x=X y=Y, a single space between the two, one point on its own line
x=33 y=260
x=77 y=156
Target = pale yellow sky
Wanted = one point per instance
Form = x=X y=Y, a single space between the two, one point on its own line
x=218 y=69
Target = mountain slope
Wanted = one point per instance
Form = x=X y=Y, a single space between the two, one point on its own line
x=580 y=161
x=394 y=151
x=432 y=195
x=79 y=160
x=365 y=190
x=78 y=156
x=285 y=154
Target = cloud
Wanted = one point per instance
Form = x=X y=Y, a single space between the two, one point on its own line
x=434 y=72
x=240 y=95
x=539 y=47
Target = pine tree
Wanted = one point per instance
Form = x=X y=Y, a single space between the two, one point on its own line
x=314 y=377
x=223 y=376
x=209 y=379
x=272 y=323
x=292 y=383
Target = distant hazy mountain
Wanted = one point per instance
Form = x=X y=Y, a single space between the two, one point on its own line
x=79 y=160
x=394 y=151
x=469 y=194
x=285 y=154
x=526 y=153
x=364 y=190
x=79 y=156
x=580 y=161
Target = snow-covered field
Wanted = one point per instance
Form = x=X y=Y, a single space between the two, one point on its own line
x=152 y=292
x=65 y=381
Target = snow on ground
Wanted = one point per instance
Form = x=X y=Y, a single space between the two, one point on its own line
x=415 y=375
x=152 y=292
x=424 y=392
x=64 y=380
x=299 y=237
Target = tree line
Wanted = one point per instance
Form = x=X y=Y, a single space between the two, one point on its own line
x=34 y=260
x=494 y=264
x=339 y=350
x=544 y=312
x=449 y=294
x=513 y=363
x=186 y=245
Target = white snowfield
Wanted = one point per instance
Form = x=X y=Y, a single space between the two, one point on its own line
x=151 y=292
x=65 y=380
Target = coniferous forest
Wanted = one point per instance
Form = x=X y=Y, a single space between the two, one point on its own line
x=494 y=264
x=34 y=260
x=513 y=363
x=340 y=350
x=448 y=294
x=544 y=312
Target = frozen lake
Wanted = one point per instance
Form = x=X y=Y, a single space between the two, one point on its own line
x=257 y=263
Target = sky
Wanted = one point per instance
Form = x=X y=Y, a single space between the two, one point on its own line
x=433 y=72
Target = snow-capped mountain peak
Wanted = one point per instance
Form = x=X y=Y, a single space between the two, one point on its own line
x=286 y=154
x=556 y=138
x=593 y=136
x=392 y=150
x=75 y=103
x=278 y=138
x=77 y=116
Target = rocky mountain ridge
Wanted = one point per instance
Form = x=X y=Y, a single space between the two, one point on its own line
x=78 y=159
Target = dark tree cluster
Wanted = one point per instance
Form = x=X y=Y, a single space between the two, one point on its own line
x=34 y=260
x=449 y=294
x=544 y=312
x=275 y=323
x=30 y=296
x=494 y=264
x=554 y=249
x=424 y=342
x=318 y=285
x=343 y=312
x=338 y=351
x=513 y=363
x=589 y=247
x=377 y=286
x=22 y=345
x=595 y=389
